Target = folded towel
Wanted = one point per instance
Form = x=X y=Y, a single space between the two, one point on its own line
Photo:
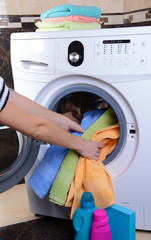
x=69 y=9
x=63 y=180
x=92 y=176
x=65 y=26
x=75 y=18
x=44 y=175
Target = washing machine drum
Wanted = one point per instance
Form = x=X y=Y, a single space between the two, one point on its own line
x=19 y=152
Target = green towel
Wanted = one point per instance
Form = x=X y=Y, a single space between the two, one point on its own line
x=65 y=26
x=63 y=180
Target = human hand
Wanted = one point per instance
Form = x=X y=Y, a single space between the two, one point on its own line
x=68 y=124
x=90 y=149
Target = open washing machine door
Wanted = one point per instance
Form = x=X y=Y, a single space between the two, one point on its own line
x=117 y=162
x=18 y=154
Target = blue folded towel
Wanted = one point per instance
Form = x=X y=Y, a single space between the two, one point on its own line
x=44 y=175
x=69 y=10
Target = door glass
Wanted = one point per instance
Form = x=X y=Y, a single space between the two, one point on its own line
x=9 y=148
x=73 y=104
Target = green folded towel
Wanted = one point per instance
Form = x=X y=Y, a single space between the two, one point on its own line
x=63 y=180
x=65 y=26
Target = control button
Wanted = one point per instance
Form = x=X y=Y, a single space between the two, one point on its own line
x=134 y=44
x=112 y=61
x=74 y=57
x=143 y=44
x=119 y=62
x=126 y=61
x=143 y=60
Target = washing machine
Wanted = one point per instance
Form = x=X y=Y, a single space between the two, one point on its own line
x=113 y=64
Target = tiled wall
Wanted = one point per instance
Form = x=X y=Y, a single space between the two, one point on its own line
x=37 y=6
x=20 y=15
x=133 y=5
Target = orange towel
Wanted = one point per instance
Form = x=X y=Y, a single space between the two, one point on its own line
x=92 y=176
x=74 y=18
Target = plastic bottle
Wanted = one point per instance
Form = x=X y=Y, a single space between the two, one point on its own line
x=83 y=217
x=100 y=227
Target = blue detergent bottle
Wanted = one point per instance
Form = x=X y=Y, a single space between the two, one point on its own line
x=83 y=217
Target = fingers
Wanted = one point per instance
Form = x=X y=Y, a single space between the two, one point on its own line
x=96 y=158
x=98 y=152
x=77 y=127
x=100 y=145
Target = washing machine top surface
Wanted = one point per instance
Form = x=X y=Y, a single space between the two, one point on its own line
x=84 y=33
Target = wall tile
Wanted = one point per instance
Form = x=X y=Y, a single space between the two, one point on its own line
x=39 y=6
x=132 y=5
x=109 y=6
x=9 y=7
x=25 y=7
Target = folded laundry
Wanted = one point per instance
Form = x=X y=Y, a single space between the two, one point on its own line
x=69 y=9
x=74 y=18
x=92 y=176
x=63 y=180
x=65 y=26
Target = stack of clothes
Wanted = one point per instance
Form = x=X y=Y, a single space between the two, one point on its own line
x=69 y=17
x=64 y=175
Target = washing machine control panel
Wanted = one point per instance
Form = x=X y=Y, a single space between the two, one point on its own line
x=123 y=52
x=116 y=46
x=106 y=55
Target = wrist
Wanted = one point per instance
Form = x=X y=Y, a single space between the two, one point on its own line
x=79 y=145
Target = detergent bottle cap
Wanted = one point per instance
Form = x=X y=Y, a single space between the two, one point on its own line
x=87 y=201
x=100 y=215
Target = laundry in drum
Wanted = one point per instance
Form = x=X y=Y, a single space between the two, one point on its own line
x=64 y=180
x=81 y=108
x=69 y=17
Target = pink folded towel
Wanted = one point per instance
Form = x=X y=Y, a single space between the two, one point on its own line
x=73 y=18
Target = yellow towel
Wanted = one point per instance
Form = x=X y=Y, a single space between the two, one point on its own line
x=92 y=176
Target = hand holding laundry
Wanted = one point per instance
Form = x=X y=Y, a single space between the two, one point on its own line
x=33 y=122
x=89 y=148
x=63 y=180
x=44 y=175
x=92 y=176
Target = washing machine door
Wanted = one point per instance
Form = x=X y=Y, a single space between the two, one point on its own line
x=18 y=154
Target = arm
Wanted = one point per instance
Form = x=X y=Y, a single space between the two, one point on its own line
x=36 y=109
x=46 y=130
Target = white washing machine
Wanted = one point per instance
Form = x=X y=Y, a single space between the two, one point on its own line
x=113 y=64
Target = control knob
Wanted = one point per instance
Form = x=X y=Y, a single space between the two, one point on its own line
x=74 y=57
